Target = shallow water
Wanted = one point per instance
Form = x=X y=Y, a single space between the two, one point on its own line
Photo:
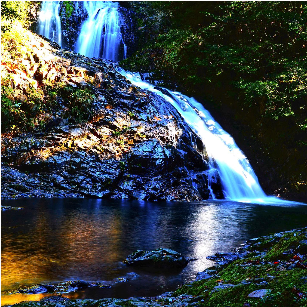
x=53 y=240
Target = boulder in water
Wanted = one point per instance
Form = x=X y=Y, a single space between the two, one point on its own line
x=160 y=259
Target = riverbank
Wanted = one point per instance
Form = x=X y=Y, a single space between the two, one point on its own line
x=265 y=271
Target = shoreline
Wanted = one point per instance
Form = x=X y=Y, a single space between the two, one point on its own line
x=265 y=271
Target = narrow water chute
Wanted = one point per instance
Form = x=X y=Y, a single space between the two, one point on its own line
x=50 y=22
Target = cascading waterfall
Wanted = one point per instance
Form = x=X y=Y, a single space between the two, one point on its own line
x=237 y=176
x=50 y=22
x=100 y=34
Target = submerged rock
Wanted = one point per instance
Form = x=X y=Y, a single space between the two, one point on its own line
x=6 y=208
x=72 y=285
x=157 y=260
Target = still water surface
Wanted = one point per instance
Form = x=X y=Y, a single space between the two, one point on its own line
x=52 y=240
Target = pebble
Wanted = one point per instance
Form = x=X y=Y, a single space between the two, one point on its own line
x=261 y=293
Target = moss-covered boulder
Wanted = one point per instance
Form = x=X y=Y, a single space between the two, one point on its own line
x=157 y=260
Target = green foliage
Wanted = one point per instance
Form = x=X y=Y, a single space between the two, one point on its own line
x=121 y=131
x=122 y=165
x=22 y=11
x=10 y=112
x=131 y=114
x=257 y=48
x=153 y=19
x=69 y=8
x=78 y=102
x=19 y=110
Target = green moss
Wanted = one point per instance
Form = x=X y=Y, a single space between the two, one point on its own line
x=289 y=241
x=287 y=287
x=69 y=8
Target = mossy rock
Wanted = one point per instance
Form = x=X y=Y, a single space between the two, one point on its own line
x=159 y=260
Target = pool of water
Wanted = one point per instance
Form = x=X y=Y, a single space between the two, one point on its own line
x=52 y=240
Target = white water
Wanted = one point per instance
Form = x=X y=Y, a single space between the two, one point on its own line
x=100 y=34
x=50 y=22
x=238 y=179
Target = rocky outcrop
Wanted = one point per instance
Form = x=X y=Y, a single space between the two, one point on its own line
x=101 y=136
x=72 y=15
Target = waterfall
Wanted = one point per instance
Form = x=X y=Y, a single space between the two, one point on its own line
x=100 y=34
x=237 y=176
x=100 y=37
x=50 y=22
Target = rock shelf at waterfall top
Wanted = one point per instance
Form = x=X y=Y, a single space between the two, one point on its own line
x=97 y=135
x=264 y=271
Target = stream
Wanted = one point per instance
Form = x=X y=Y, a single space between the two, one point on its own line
x=54 y=240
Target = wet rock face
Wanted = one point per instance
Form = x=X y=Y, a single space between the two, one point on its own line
x=71 y=20
x=129 y=144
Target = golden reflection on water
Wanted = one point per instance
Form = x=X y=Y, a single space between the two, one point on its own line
x=31 y=256
x=12 y=299
x=17 y=269
x=17 y=298
x=84 y=236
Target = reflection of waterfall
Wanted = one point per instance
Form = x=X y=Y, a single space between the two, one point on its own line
x=49 y=21
x=216 y=222
x=237 y=176
x=100 y=35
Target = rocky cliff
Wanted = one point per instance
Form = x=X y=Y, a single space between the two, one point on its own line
x=74 y=127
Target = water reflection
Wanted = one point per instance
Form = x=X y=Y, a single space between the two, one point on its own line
x=13 y=299
x=216 y=227
x=57 y=240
